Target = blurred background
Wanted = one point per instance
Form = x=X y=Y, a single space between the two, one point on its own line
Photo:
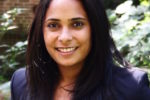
x=130 y=22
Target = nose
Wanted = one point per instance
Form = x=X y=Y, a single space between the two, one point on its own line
x=65 y=36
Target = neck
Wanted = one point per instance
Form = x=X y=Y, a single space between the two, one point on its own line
x=68 y=74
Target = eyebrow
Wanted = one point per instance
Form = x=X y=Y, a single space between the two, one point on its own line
x=78 y=18
x=52 y=19
x=72 y=19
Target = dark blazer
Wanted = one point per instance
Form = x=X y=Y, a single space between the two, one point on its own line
x=128 y=84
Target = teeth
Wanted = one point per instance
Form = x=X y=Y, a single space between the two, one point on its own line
x=66 y=49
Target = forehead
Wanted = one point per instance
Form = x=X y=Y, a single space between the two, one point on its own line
x=67 y=2
x=66 y=8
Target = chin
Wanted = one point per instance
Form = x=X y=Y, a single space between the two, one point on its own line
x=68 y=64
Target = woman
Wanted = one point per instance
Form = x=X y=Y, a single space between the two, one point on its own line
x=70 y=57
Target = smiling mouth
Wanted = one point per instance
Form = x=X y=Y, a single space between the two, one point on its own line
x=66 y=49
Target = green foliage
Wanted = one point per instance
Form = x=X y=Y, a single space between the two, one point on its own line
x=145 y=2
x=111 y=3
x=7 y=20
x=131 y=31
x=2 y=79
x=11 y=57
x=149 y=75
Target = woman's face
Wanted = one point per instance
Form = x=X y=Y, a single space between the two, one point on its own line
x=67 y=33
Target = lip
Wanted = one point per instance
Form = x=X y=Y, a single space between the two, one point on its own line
x=68 y=50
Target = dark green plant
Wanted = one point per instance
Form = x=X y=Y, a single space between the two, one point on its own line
x=2 y=79
x=112 y=4
x=13 y=58
x=7 y=20
x=130 y=29
x=9 y=56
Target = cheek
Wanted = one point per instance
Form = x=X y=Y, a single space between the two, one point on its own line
x=49 y=44
x=85 y=39
x=87 y=36
x=48 y=39
x=88 y=39
x=87 y=44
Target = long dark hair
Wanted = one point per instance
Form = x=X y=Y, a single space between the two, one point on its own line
x=42 y=71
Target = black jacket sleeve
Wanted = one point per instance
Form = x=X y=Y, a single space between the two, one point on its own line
x=144 y=90
x=18 y=84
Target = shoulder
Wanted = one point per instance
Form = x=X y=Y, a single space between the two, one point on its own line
x=130 y=73
x=18 y=84
x=132 y=83
x=20 y=74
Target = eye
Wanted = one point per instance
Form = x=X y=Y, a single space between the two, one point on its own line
x=77 y=24
x=53 y=26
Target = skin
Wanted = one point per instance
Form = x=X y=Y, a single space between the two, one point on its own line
x=67 y=27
